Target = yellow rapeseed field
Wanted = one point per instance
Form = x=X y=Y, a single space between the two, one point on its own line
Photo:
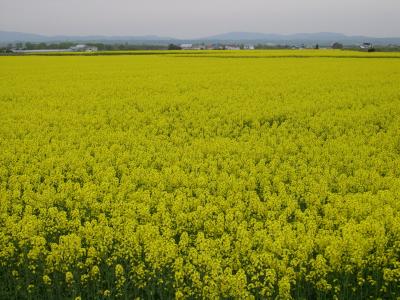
x=241 y=175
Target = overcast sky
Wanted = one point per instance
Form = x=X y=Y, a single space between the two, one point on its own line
x=199 y=18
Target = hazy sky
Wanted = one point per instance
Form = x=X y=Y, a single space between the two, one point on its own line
x=189 y=18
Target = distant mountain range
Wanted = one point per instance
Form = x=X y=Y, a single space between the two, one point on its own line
x=12 y=37
x=266 y=36
x=231 y=37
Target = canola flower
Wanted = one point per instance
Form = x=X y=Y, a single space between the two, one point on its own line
x=246 y=175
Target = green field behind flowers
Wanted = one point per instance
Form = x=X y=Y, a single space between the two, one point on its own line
x=215 y=174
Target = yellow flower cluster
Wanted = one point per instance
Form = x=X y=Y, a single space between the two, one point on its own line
x=242 y=175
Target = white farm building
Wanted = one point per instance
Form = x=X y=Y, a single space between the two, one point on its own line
x=83 y=48
x=186 y=46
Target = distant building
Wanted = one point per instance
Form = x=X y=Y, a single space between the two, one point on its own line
x=199 y=47
x=186 y=46
x=229 y=47
x=83 y=48
x=192 y=47
x=248 y=47
x=214 y=47
x=366 y=46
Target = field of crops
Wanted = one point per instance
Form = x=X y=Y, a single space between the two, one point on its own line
x=266 y=175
